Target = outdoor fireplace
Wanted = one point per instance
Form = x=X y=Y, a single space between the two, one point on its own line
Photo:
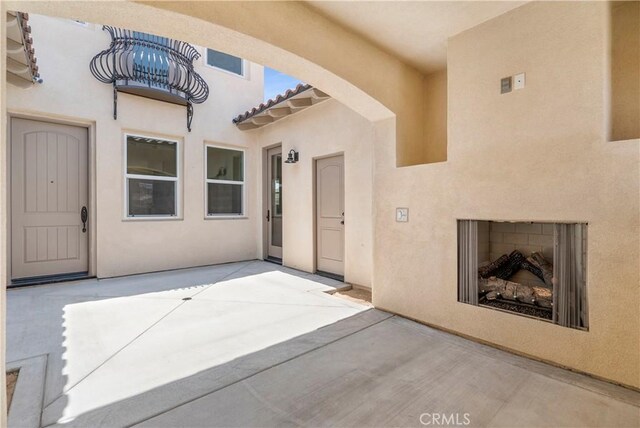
x=537 y=269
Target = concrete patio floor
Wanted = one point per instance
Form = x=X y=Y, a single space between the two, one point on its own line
x=256 y=344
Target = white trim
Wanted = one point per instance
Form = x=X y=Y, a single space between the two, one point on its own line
x=243 y=183
x=176 y=179
x=151 y=177
x=211 y=180
x=245 y=64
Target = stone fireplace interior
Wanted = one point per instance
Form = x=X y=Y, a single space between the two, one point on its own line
x=536 y=269
x=518 y=251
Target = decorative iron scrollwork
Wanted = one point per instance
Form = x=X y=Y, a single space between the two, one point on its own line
x=150 y=66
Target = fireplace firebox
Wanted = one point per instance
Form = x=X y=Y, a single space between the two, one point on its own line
x=535 y=269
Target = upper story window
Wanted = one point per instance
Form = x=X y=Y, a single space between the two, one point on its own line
x=226 y=62
x=151 y=177
x=224 y=182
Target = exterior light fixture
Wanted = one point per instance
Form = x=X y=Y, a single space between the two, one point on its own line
x=292 y=156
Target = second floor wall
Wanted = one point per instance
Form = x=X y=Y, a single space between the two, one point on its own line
x=70 y=94
x=65 y=49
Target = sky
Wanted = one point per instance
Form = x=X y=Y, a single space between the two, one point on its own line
x=276 y=83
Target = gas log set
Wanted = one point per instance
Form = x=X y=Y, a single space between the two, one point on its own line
x=495 y=286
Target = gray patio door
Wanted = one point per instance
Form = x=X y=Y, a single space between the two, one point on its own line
x=274 y=203
x=49 y=188
x=330 y=215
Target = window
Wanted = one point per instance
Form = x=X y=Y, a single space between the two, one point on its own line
x=151 y=177
x=224 y=182
x=226 y=62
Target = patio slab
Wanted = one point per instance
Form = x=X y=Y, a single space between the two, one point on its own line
x=126 y=336
x=256 y=344
x=392 y=374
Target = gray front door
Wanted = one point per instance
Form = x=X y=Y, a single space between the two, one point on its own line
x=49 y=188
x=330 y=215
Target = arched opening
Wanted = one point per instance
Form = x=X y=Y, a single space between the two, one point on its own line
x=167 y=23
x=247 y=32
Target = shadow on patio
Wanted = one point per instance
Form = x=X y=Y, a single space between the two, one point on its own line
x=109 y=340
x=262 y=345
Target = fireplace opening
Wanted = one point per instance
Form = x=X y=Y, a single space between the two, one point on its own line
x=535 y=269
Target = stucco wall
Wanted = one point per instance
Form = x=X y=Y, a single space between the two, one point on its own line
x=536 y=154
x=3 y=213
x=435 y=117
x=322 y=130
x=287 y=36
x=126 y=246
x=625 y=70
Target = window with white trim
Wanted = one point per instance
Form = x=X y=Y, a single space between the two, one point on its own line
x=224 y=181
x=151 y=188
x=226 y=62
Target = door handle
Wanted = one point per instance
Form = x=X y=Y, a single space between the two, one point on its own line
x=268 y=215
x=84 y=215
x=342 y=221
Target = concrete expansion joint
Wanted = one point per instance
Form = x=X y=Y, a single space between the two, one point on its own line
x=65 y=391
x=280 y=363
x=182 y=302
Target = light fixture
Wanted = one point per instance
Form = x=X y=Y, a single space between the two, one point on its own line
x=292 y=156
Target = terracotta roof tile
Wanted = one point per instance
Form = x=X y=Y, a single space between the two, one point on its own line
x=270 y=103
x=28 y=44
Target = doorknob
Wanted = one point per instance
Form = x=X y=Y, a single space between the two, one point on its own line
x=268 y=215
x=342 y=221
x=84 y=215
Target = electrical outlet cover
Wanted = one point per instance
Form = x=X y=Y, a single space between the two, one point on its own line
x=518 y=81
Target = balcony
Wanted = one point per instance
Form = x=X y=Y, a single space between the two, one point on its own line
x=150 y=66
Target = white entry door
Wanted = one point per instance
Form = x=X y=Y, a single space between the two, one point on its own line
x=274 y=203
x=49 y=189
x=330 y=215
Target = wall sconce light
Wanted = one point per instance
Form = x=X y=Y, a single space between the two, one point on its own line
x=292 y=156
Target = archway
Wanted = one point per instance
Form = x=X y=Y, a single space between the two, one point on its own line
x=286 y=36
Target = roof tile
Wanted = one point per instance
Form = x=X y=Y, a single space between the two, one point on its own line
x=270 y=103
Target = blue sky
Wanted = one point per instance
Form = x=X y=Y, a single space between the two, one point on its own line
x=276 y=83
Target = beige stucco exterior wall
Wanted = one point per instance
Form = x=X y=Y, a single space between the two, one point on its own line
x=326 y=129
x=196 y=240
x=435 y=117
x=535 y=154
x=126 y=246
x=3 y=214
x=320 y=52
x=625 y=70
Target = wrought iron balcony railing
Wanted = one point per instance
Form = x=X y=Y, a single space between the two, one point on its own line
x=150 y=66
